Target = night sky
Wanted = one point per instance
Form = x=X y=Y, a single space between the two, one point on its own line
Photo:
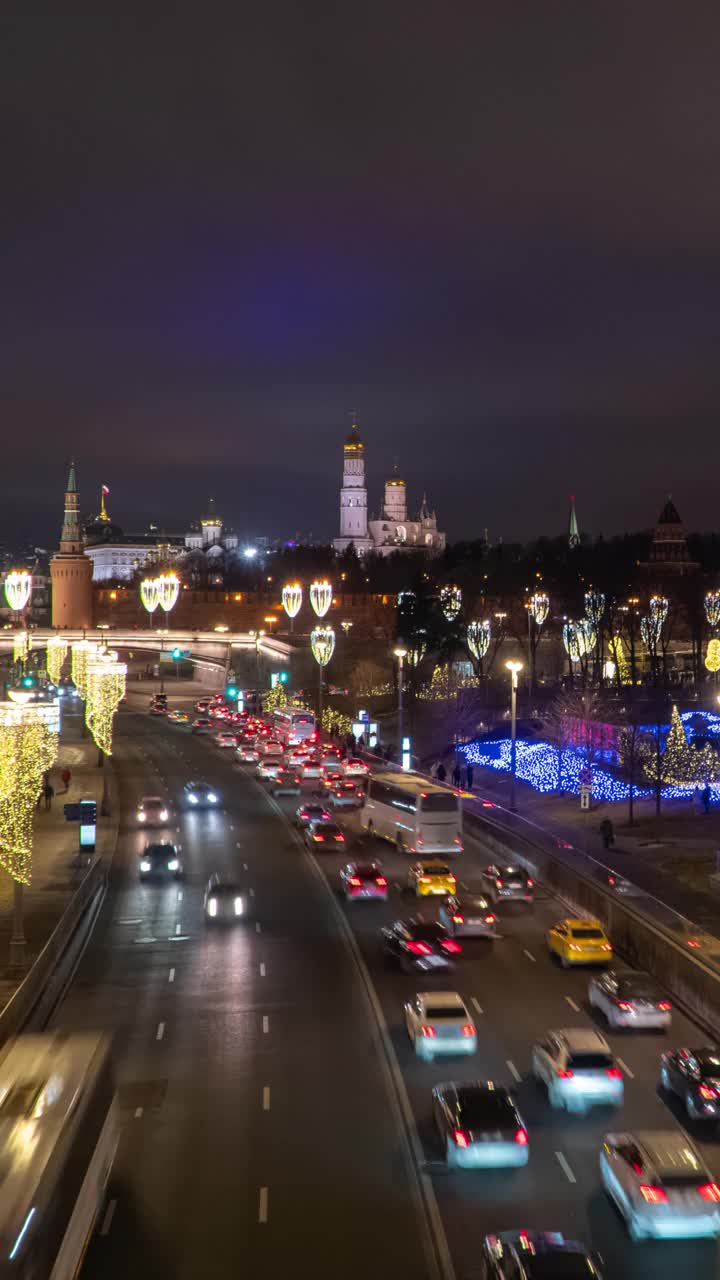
x=494 y=229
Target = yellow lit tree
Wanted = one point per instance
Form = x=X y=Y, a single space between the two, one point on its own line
x=105 y=684
x=55 y=655
x=28 y=746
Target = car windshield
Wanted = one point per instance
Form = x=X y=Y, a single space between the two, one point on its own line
x=586 y=933
x=445 y=1013
x=485 y=1109
x=590 y=1061
x=512 y=873
x=436 y=870
x=225 y=890
x=439 y=802
x=556 y=1265
x=313 y=809
x=366 y=872
x=199 y=786
x=160 y=851
x=428 y=931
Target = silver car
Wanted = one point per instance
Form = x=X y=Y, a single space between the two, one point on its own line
x=439 y=1022
x=468 y=916
x=629 y=999
x=660 y=1184
x=578 y=1070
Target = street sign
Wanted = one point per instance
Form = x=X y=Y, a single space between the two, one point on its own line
x=88 y=822
x=585 y=792
x=585 y=775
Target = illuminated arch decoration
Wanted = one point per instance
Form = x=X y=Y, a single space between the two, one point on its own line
x=21 y=644
x=81 y=652
x=712 y=657
x=168 y=588
x=712 y=608
x=651 y=626
x=55 y=655
x=416 y=652
x=594 y=609
x=18 y=589
x=106 y=682
x=322 y=643
x=292 y=597
x=321 y=593
x=450 y=602
x=573 y=640
x=150 y=594
x=539 y=607
x=28 y=746
x=478 y=638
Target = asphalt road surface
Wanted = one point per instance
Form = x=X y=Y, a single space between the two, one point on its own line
x=263 y=1120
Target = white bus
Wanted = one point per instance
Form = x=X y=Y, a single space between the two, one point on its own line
x=418 y=816
x=293 y=725
x=59 y=1132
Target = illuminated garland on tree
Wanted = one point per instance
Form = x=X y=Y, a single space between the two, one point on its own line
x=594 y=610
x=712 y=608
x=652 y=625
x=28 y=746
x=539 y=607
x=277 y=697
x=616 y=651
x=337 y=721
x=450 y=602
x=478 y=638
x=81 y=653
x=105 y=687
x=712 y=657
x=55 y=655
x=20 y=646
x=680 y=764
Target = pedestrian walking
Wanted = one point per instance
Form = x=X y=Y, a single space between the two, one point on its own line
x=48 y=792
x=457 y=774
x=469 y=777
x=607 y=833
x=441 y=773
x=66 y=775
x=706 y=797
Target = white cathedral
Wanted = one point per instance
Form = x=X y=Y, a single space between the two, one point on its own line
x=392 y=531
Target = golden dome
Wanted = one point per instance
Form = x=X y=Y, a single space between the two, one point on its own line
x=353 y=441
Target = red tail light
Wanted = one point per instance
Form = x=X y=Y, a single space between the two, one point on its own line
x=623 y=1004
x=707 y=1091
x=449 y=945
x=530 y=883
x=606 y=947
x=498 y=884
x=354 y=881
x=418 y=948
x=468 y=1030
x=614 y=1073
x=420 y=840
x=490 y=919
x=429 y=1032
x=664 y=1005
x=461 y=1138
x=521 y=1137
x=710 y=1191
x=653 y=1195
x=320 y=839
x=340 y=839
x=563 y=1074
x=381 y=881
x=458 y=919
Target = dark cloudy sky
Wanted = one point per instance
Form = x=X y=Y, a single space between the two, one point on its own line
x=494 y=228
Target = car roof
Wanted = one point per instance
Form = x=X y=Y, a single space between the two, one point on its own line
x=428 y=863
x=462 y=898
x=669 y=1151
x=151 y=800
x=581 y=922
x=580 y=1040
x=158 y=848
x=443 y=999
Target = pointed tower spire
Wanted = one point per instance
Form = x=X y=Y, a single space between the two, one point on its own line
x=573 y=531
x=71 y=536
x=104 y=491
x=71 y=486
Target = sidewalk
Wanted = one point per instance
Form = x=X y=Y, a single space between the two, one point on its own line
x=55 y=875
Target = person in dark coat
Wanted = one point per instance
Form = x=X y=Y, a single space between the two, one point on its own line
x=607 y=833
x=457 y=774
x=441 y=773
x=469 y=777
x=706 y=797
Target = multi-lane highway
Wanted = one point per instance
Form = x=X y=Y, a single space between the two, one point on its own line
x=265 y=1123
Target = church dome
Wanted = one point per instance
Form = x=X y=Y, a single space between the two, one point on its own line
x=353 y=441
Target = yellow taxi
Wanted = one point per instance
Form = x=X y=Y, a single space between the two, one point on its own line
x=430 y=879
x=178 y=717
x=581 y=941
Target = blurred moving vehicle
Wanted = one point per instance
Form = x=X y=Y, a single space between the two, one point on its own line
x=247 y=754
x=431 y=879
x=418 y=816
x=294 y=725
x=286 y=782
x=479 y=1126
x=439 y=1022
x=160 y=862
x=268 y=769
x=694 y=1076
x=153 y=811
x=325 y=833
x=630 y=999
x=579 y=942
x=468 y=916
x=510 y=883
x=363 y=880
x=346 y=795
x=158 y=708
x=201 y=725
x=60 y=1127
x=307 y=813
x=227 y=741
x=537 y=1255
x=354 y=768
x=420 y=945
x=224 y=901
x=578 y=1070
x=200 y=795
x=660 y=1184
x=202 y=705
x=178 y=717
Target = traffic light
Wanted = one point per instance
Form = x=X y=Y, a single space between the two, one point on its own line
x=283 y=677
x=232 y=691
x=177 y=654
x=28 y=682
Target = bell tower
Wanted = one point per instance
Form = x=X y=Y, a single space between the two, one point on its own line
x=71 y=570
x=353 y=497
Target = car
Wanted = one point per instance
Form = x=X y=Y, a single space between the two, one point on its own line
x=508 y=883
x=323 y=832
x=660 y=1184
x=579 y=941
x=203 y=705
x=578 y=1070
x=247 y=754
x=468 y=916
x=537 y=1255
x=159 y=697
x=285 y=783
x=630 y=999
x=431 y=878
x=620 y=885
x=296 y=756
x=160 y=862
x=224 y=901
x=310 y=768
x=479 y=1126
x=178 y=717
x=439 y=1022
x=419 y=944
x=345 y=796
x=694 y=1076
x=354 y=768
x=153 y=811
x=331 y=779
x=307 y=813
x=227 y=741
x=158 y=709
x=268 y=770
x=200 y=795
x=201 y=725
x=364 y=880
x=270 y=749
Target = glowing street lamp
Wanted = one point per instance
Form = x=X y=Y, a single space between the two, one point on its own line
x=451 y=602
x=150 y=594
x=322 y=643
x=321 y=594
x=539 y=608
x=712 y=608
x=18 y=589
x=478 y=638
x=514 y=668
x=292 y=596
x=168 y=586
x=401 y=654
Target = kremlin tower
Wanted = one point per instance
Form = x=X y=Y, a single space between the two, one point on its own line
x=353 y=497
x=71 y=570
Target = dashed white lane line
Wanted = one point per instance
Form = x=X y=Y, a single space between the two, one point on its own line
x=258 y=927
x=109 y=1215
x=160 y=1031
x=177 y=829
x=565 y=1166
x=137 y=921
x=262 y=970
x=463 y=885
x=474 y=1001
x=171 y=976
x=575 y=1007
x=252 y=893
x=238 y=844
x=245 y=866
x=177 y=928
x=266 y=1024
x=138 y=1112
x=625 y=1068
x=179 y=895
x=266 y=1098
x=263 y=1205
x=529 y=954
x=513 y=1071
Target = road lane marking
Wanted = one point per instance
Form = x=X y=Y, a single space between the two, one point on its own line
x=171 y=976
x=262 y=970
x=565 y=1167
x=238 y=844
x=252 y=893
x=573 y=1005
x=109 y=1215
x=177 y=928
x=528 y=954
x=177 y=830
x=258 y=927
x=160 y=1031
x=266 y=1024
x=138 y=921
x=463 y=885
x=245 y=866
x=624 y=1066
x=474 y=1001
x=138 y=1112
x=141 y=940
x=232 y=827
x=179 y=895
x=513 y=1071
x=266 y=1098
x=183 y=937
x=263 y=1205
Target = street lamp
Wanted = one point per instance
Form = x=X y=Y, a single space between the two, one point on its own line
x=401 y=655
x=292 y=595
x=514 y=668
x=322 y=643
x=321 y=594
x=257 y=637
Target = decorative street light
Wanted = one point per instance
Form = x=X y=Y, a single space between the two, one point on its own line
x=478 y=638
x=81 y=653
x=322 y=643
x=712 y=608
x=451 y=602
x=401 y=655
x=106 y=681
x=514 y=668
x=168 y=585
x=346 y=625
x=18 y=589
x=150 y=594
x=292 y=596
x=55 y=655
x=539 y=608
x=321 y=593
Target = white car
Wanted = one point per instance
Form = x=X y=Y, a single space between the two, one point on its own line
x=578 y=1070
x=354 y=768
x=660 y=1184
x=153 y=811
x=268 y=770
x=310 y=769
x=439 y=1022
x=226 y=740
x=629 y=999
x=247 y=755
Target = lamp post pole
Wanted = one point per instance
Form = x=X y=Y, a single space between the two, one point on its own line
x=401 y=655
x=514 y=668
